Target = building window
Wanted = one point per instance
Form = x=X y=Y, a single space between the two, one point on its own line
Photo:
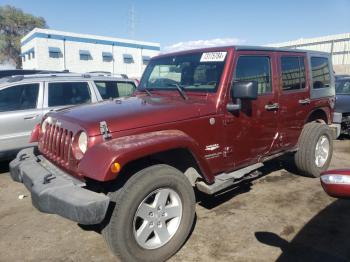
x=320 y=72
x=146 y=59
x=23 y=57
x=255 y=68
x=107 y=57
x=85 y=55
x=293 y=72
x=31 y=53
x=55 y=52
x=128 y=59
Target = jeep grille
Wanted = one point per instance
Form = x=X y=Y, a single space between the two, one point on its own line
x=57 y=144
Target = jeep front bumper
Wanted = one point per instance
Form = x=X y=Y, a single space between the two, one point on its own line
x=54 y=191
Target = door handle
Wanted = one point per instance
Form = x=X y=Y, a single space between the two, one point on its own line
x=270 y=107
x=304 y=101
x=30 y=117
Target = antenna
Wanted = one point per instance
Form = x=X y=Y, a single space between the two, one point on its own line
x=132 y=22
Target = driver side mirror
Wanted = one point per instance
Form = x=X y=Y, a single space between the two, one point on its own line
x=246 y=90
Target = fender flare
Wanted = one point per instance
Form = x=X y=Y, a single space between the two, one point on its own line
x=97 y=160
x=325 y=110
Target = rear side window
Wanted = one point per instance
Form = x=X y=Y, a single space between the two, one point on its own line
x=255 y=68
x=320 y=72
x=20 y=97
x=293 y=72
x=69 y=93
x=114 y=89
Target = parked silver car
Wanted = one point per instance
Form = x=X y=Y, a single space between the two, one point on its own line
x=24 y=100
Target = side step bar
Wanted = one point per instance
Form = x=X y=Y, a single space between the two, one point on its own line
x=225 y=180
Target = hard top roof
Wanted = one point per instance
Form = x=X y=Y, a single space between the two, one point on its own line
x=241 y=48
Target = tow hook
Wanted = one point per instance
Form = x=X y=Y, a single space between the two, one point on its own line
x=48 y=178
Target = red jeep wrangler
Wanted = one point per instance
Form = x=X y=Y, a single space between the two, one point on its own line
x=202 y=118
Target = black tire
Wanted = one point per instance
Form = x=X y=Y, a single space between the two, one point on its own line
x=304 y=158
x=119 y=233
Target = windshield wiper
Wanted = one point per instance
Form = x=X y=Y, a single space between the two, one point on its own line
x=181 y=91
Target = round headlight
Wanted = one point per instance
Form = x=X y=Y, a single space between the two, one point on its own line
x=82 y=142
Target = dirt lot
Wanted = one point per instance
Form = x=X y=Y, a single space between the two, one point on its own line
x=281 y=216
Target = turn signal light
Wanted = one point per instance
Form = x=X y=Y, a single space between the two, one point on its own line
x=115 y=167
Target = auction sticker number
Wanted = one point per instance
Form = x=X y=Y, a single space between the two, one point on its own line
x=213 y=57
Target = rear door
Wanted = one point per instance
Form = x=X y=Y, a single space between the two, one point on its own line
x=294 y=97
x=251 y=130
x=20 y=111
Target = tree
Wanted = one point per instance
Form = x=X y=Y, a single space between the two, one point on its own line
x=14 y=24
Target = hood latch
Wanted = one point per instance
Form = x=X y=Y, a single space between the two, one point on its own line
x=106 y=134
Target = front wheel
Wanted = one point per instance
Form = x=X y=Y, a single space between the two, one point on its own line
x=315 y=149
x=153 y=215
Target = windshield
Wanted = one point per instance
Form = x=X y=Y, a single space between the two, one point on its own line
x=342 y=86
x=192 y=72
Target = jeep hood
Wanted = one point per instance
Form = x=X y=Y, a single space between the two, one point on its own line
x=134 y=112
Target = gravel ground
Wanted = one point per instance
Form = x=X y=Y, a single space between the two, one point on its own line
x=280 y=216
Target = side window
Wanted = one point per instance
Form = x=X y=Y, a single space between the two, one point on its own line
x=293 y=72
x=113 y=89
x=342 y=87
x=68 y=93
x=19 y=97
x=255 y=68
x=126 y=89
x=320 y=72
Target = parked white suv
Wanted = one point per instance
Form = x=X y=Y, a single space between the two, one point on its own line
x=24 y=100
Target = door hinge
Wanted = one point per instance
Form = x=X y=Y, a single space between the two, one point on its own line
x=229 y=121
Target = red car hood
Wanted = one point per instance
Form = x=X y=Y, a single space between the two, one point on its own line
x=133 y=112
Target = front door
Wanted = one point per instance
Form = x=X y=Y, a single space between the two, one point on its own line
x=251 y=131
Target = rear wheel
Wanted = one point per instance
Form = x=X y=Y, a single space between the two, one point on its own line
x=153 y=215
x=315 y=149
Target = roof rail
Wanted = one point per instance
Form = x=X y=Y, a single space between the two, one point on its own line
x=17 y=78
x=106 y=73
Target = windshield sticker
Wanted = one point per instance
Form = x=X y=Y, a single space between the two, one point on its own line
x=213 y=57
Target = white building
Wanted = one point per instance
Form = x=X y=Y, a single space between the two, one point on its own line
x=45 y=49
x=337 y=45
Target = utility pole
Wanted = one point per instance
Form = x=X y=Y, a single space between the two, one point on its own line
x=132 y=22
x=64 y=55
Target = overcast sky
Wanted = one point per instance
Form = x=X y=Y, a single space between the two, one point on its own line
x=190 y=23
